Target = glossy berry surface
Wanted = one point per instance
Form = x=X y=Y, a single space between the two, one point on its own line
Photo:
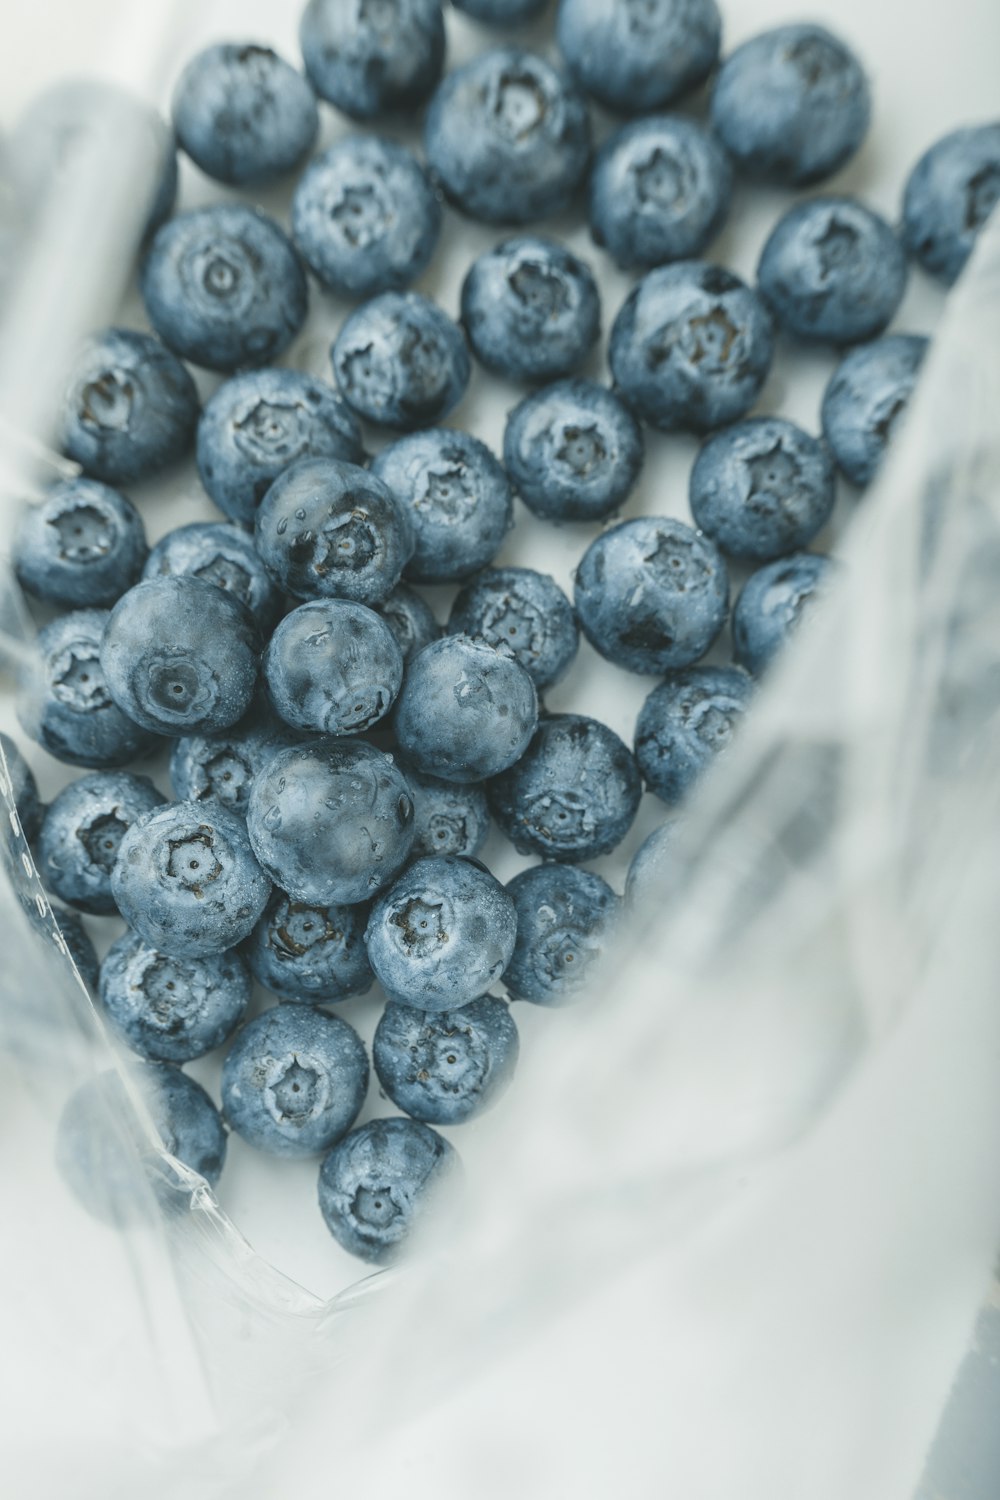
x=400 y=361
x=83 y=545
x=565 y=919
x=450 y=817
x=574 y=451
x=221 y=767
x=531 y=309
x=685 y=723
x=379 y=1181
x=312 y=954
x=638 y=55
x=81 y=833
x=172 y=1009
x=220 y=553
x=949 y=195
x=525 y=611
x=771 y=605
x=449 y=1066
x=867 y=396
x=370 y=57
x=411 y=620
x=22 y=789
x=332 y=667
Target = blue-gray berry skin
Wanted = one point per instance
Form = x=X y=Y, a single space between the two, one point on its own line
x=221 y=553
x=221 y=767
x=466 y=711
x=949 y=195
x=411 y=620
x=315 y=955
x=331 y=821
x=224 y=287
x=442 y=934
x=379 y=1182
x=23 y=789
x=400 y=361
x=573 y=794
x=333 y=667
x=258 y=424
x=82 y=546
x=660 y=191
x=294 y=1080
x=450 y=817
x=457 y=497
x=649 y=871
x=243 y=114
x=446 y=1067
x=172 y=1009
x=78 y=944
x=762 y=487
x=771 y=604
x=652 y=595
x=685 y=723
x=130 y=407
x=574 y=451
x=186 y=879
x=330 y=530
x=635 y=56
x=792 y=105
x=531 y=309
x=373 y=57
x=867 y=394
x=82 y=831
x=508 y=137
x=565 y=919
x=525 y=611
x=366 y=217
x=501 y=12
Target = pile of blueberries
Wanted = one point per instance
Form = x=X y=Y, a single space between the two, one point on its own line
x=337 y=757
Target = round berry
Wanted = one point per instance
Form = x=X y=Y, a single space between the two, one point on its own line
x=450 y=817
x=771 y=605
x=400 y=361
x=574 y=451
x=221 y=767
x=220 y=553
x=530 y=309
x=172 y=1009
x=638 y=55
x=379 y=1182
x=315 y=955
x=369 y=57
x=565 y=919
x=449 y=1066
x=525 y=611
x=685 y=723
x=333 y=667
x=82 y=831
x=868 y=394
x=949 y=195
x=83 y=545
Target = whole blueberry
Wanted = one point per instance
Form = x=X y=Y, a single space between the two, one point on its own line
x=369 y=57
x=565 y=918
x=867 y=394
x=771 y=604
x=442 y=934
x=791 y=105
x=660 y=191
x=83 y=545
x=400 y=361
x=650 y=868
x=379 y=1182
x=130 y=407
x=172 y=1009
x=224 y=287
x=949 y=195
x=20 y=786
x=457 y=497
x=365 y=217
x=82 y=831
x=449 y=817
x=762 y=487
x=260 y=423
x=333 y=667
x=685 y=723
x=508 y=137
x=243 y=114
x=501 y=12
x=530 y=309
x=330 y=530
x=411 y=620
x=638 y=55
x=524 y=611
x=221 y=767
x=574 y=451
x=78 y=945
x=294 y=1080
x=221 y=553
x=186 y=879
x=651 y=594
x=691 y=347
x=573 y=794
x=331 y=821
x=466 y=711
x=312 y=954
x=446 y=1067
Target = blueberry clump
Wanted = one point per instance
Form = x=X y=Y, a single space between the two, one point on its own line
x=648 y=874
x=312 y=954
x=411 y=620
x=867 y=395
x=638 y=55
x=685 y=723
x=449 y=817
x=380 y=1182
x=172 y=1009
x=220 y=553
x=565 y=918
x=333 y=667
x=574 y=451
x=501 y=12
x=771 y=604
x=400 y=361
x=449 y=1066
x=370 y=57
x=22 y=787
x=82 y=831
x=525 y=611
x=949 y=195
x=221 y=767
x=83 y=545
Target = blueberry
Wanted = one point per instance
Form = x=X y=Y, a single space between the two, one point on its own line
x=638 y=55
x=312 y=954
x=221 y=553
x=660 y=191
x=649 y=871
x=949 y=195
x=369 y=57
x=331 y=821
x=574 y=793
x=457 y=497
x=652 y=595
x=508 y=137
x=243 y=114
x=762 y=487
x=792 y=105
x=565 y=918
x=130 y=407
x=294 y=1080
x=82 y=831
x=685 y=723
x=78 y=945
x=379 y=1182
x=449 y=817
x=223 y=287
x=501 y=12
x=525 y=611
x=333 y=667
x=446 y=1067
x=411 y=620
x=771 y=604
x=187 y=881
x=466 y=711
x=83 y=545
x=530 y=309
x=365 y=217
x=221 y=767
x=400 y=361
x=172 y=1009
x=22 y=788
x=330 y=530
x=574 y=451
x=691 y=347
x=867 y=395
